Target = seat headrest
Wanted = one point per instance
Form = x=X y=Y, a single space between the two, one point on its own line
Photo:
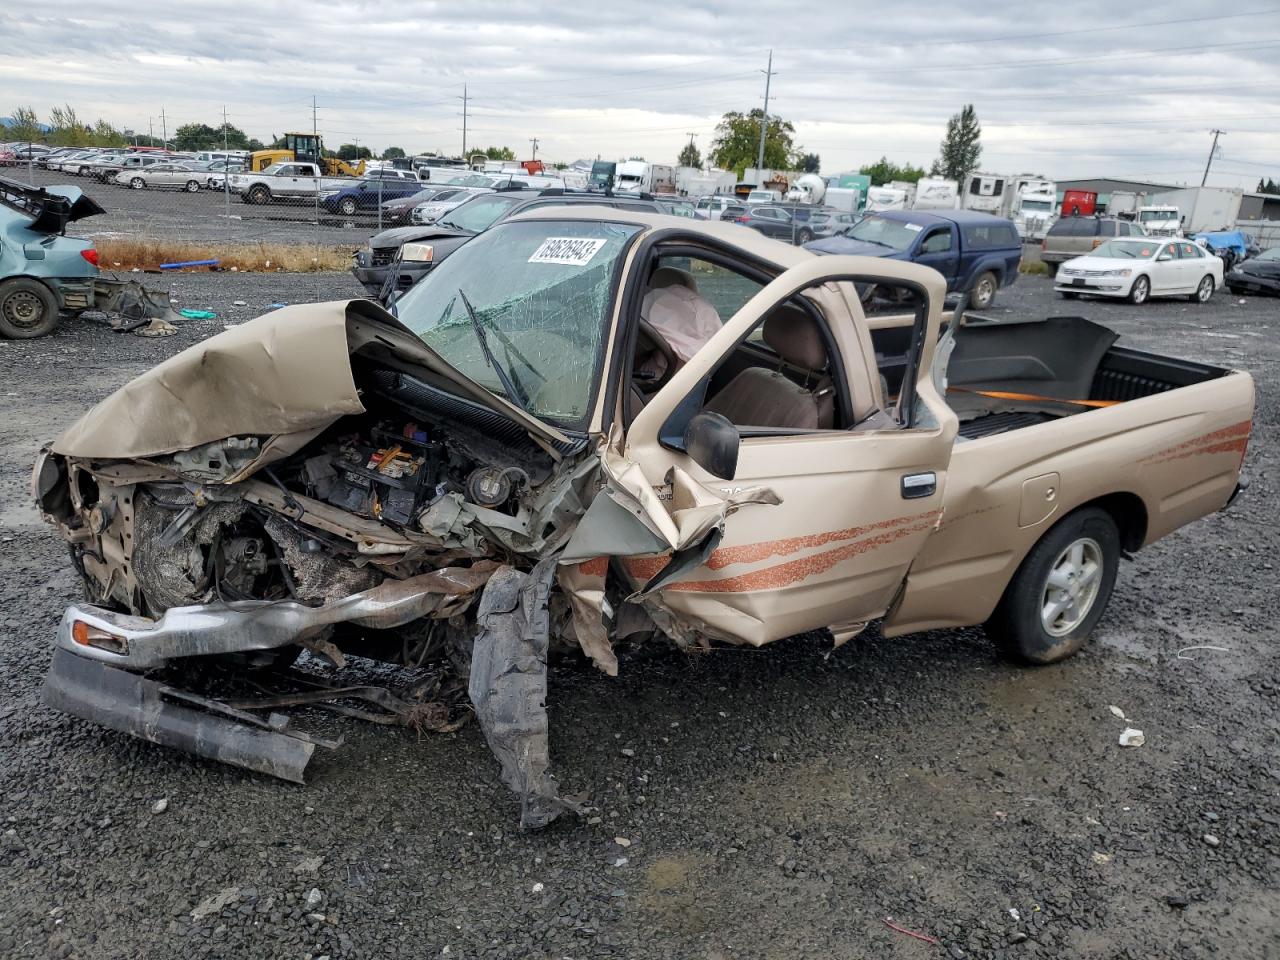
x=672 y=277
x=795 y=337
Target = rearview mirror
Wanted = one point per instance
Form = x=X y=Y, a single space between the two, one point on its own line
x=712 y=442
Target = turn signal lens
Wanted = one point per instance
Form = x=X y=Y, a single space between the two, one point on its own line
x=87 y=635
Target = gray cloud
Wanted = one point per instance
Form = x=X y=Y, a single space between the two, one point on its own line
x=1059 y=91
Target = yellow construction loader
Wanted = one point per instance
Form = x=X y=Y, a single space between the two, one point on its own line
x=305 y=148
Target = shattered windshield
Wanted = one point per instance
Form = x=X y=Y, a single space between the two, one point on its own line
x=523 y=311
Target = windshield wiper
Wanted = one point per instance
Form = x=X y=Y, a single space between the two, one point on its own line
x=513 y=391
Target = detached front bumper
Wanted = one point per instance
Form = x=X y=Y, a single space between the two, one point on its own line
x=140 y=643
x=123 y=701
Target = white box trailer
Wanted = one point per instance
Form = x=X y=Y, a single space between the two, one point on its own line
x=935 y=193
x=1202 y=208
x=991 y=193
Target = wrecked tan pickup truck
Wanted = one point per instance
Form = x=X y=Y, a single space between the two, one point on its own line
x=591 y=427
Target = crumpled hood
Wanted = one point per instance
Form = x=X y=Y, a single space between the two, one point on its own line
x=844 y=247
x=398 y=236
x=1260 y=268
x=286 y=375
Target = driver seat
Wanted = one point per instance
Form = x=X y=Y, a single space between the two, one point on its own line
x=758 y=397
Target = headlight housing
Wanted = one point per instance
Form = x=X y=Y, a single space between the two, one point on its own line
x=1118 y=273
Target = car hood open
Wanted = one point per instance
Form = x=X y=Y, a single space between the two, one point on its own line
x=286 y=375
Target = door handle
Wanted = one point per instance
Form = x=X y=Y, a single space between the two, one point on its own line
x=918 y=485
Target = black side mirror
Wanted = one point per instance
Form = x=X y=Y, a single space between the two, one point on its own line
x=713 y=442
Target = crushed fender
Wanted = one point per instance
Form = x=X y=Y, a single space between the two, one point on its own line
x=508 y=686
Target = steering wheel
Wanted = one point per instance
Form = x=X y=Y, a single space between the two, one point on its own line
x=659 y=343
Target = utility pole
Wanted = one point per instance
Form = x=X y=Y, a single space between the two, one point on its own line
x=151 y=131
x=226 y=173
x=764 y=121
x=534 y=141
x=1212 y=150
x=164 y=129
x=691 y=136
x=463 y=98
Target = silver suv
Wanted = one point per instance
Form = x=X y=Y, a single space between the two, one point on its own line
x=1075 y=236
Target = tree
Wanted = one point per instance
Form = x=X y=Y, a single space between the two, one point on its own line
x=349 y=151
x=809 y=163
x=1268 y=186
x=885 y=170
x=66 y=130
x=737 y=142
x=499 y=153
x=393 y=153
x=961 y=146
x=24 y=125
x=690 y=156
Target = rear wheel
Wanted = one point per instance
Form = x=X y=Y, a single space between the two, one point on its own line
x=1060 y=590
x=27 y=309
x=347 y=207
x=1140 y=290
x=1204 y=291
x=983 y=293
x=192 y=186
x=804 y=236
x=137 y=183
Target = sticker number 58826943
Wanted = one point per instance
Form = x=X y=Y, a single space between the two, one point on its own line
x=571 y=251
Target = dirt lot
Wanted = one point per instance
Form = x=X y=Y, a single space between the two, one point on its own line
x=756 y=804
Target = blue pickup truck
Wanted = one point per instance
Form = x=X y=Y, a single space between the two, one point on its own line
x=973 y=251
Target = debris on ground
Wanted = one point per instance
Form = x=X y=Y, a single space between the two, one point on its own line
x=198 y=314
x=213 y=904
x=1117 y=712
x=1129 y=737
x=910 y=933
x=160 y=806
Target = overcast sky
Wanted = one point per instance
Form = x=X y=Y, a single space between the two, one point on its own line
x=1065 y=90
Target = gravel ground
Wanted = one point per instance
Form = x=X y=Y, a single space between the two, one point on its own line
x=206 y=216
x=779 y=803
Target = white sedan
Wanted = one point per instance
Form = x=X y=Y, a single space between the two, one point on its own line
x=1137 y=268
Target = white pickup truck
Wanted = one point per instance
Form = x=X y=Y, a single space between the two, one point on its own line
x=284 y=182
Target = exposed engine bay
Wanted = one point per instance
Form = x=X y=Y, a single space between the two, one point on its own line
x=361 y=499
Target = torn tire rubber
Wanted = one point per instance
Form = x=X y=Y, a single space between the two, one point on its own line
x=508 y=686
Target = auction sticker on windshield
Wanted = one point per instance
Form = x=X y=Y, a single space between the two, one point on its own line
x=914 y=227
x=571 y=251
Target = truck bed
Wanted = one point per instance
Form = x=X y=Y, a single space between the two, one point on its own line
x=1008 y=376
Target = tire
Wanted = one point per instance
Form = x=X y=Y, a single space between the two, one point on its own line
x=27 y=309
x=1204 y=291
x=137 y=183
x=192 y=186
x=259 y=195
x=1140 y=291
x=983 y=292
x=1053 y=267
x=347 y=207
x=804 y=236
x=1236 y=291
x=1039 y=621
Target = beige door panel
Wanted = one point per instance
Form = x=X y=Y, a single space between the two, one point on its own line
x=837 y=546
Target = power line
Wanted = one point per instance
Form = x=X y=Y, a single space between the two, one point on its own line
x=883 y=44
